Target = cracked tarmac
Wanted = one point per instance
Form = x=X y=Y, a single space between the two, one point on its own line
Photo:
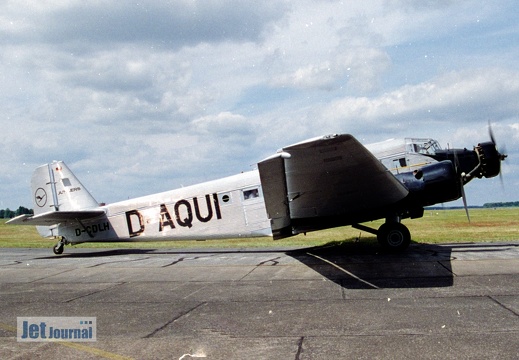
x=448 y=301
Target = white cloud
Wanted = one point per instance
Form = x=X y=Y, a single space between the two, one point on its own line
x=168 y=24
x=482 y=93
x=158 y=94
x=358 y=68
x=223 y=124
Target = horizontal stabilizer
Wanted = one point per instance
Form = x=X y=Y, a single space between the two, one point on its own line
x=55 y=217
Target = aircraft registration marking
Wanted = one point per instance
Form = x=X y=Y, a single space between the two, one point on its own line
x=182 y=214
x=93 y=229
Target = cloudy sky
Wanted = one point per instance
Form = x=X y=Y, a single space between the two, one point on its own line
x=147 y=96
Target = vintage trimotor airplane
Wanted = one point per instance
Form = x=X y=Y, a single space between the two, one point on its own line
x=320 y=183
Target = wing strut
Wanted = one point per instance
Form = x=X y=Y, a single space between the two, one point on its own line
x=365 y=228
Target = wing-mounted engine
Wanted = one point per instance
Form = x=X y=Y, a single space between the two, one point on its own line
x=433 y=183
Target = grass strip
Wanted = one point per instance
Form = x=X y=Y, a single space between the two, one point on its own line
x=435 y=227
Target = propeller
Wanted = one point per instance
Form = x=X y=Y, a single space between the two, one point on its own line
x=489 y=158
x=464 y=198
x=500 y=152
x=491 y=133
x=462 y=181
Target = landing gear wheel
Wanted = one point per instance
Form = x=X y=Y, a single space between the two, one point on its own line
x=394 y=237
x=58 y=248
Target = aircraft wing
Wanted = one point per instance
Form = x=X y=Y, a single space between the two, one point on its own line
x=326 y=177
x=55 y=217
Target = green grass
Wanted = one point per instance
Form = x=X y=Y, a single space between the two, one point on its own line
x=436 y=227
x=443 y=226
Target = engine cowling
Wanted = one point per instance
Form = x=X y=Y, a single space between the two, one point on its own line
x=490 y=160
x=483 y=161
x=432 y=184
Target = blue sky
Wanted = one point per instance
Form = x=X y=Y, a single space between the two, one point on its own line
x=145 y=97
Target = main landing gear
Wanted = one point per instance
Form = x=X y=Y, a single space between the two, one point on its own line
x=393 y=236
x=58 y=248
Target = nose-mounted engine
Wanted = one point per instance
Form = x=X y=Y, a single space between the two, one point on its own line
x=489 y=161
x=483 y=161
x=444 y=180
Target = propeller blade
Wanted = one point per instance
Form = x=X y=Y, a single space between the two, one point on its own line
x=457 y=165
x=465 y=202
x=462 y=181
x=491 y=133
x=501 y=152
x=503 y=157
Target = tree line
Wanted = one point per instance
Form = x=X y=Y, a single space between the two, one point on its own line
x=501 y=204
x=9 y=214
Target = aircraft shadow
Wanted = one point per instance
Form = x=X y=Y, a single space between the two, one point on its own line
x=351 y=265
x=365 y=266
x=96 y=253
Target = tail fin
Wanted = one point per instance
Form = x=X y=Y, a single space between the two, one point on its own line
x=56 y=188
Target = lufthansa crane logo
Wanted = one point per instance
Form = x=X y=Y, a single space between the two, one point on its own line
x=40 y=197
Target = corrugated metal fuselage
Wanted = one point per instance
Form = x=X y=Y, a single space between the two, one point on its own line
x=231 y=207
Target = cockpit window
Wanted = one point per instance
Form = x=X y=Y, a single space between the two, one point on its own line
x=423 y=146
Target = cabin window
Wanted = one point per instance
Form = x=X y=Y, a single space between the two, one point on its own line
x=225 y=198
x=251 y=194
x=398 y=163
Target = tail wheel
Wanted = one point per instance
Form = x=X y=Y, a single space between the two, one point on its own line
x=394 y=236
